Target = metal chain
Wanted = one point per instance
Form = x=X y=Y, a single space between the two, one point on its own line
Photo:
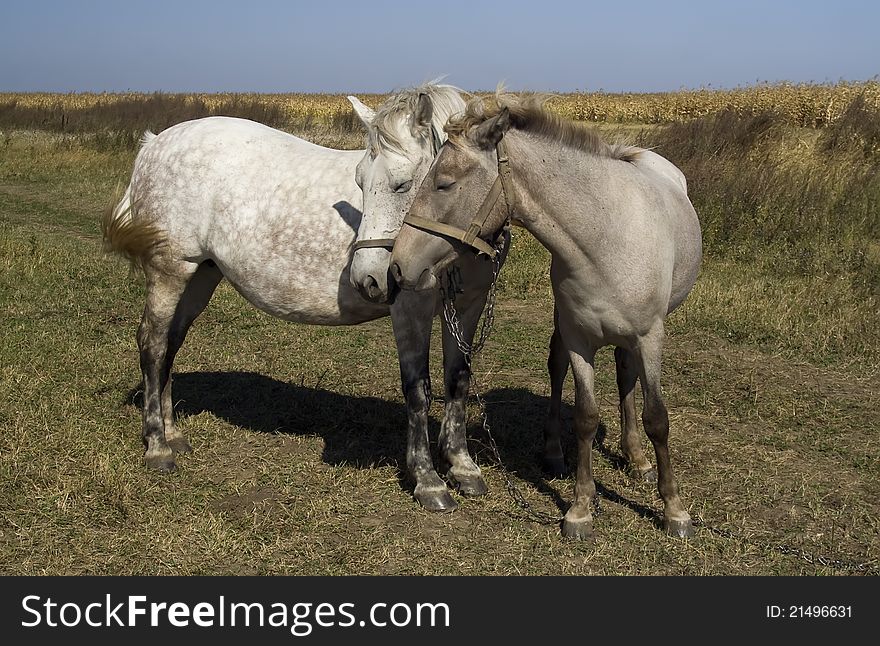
x=450 y=314
x=843 y=565
x=470 y=349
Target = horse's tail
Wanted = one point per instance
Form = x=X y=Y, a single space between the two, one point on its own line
x=131 y=237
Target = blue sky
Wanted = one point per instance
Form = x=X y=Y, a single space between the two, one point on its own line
x=379 y=45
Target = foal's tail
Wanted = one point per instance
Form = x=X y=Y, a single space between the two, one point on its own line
x=130 y=237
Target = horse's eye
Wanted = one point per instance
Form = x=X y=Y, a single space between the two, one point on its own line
x=403 y=187
x=445 y=185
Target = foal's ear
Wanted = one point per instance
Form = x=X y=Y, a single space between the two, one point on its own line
x=365 y=113
x=424 y=111
x=490 y=132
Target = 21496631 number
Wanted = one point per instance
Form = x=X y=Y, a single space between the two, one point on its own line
x=811 y=612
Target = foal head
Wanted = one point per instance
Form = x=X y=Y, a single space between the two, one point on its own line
x=452 y=192
x=458 y=190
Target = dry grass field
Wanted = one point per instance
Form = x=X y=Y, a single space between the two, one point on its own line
x=770 y=371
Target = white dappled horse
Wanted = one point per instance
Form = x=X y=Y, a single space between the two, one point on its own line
x=277 y=217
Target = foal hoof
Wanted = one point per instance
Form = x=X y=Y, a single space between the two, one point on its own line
x=470 y=485
x=180 y=445
x=578 y=530
x=439 y=500
x=554 y=467
x=679 y=528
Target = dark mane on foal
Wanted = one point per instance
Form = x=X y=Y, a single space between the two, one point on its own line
x=529 y=114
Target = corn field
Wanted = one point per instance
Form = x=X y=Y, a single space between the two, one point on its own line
x=803 y=105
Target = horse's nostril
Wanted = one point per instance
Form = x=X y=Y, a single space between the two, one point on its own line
x=426 y=279
x=395 y=272
x=371 y=286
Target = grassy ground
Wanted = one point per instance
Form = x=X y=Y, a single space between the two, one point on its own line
x=299 y=431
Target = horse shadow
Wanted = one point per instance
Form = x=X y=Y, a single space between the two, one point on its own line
x=366 y=432
x=517 y=419
x=357 y=431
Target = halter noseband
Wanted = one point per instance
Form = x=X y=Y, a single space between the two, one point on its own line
x=383 y=243
x=470 y=236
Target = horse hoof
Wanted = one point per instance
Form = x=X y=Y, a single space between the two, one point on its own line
x=161 y=463
x=679 y=528
x=438 y=500
x=648 y=477
x=180 y=445
x=578 y=530
x=469 y=485
x=554 y=467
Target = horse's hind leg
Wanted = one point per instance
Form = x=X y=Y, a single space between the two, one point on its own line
x=557 y=367
x=648 y=353
x=165 y=289
x=463 y=471
x=195 y=298
x=630 y=444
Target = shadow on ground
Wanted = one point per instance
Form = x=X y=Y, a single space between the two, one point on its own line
x=367 y=431
x=517 y=420
x=358 y=431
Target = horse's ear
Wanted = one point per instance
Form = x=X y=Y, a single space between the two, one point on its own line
x=424 y=111
x=490 y=132
x=365 y=113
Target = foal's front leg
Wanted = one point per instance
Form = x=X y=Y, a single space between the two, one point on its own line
x=578 y=522
x=411 y=317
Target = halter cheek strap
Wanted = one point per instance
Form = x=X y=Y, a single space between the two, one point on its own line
x=471 y=235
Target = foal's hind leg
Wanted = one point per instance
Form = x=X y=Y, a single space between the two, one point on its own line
x=630 y=444
x=192 y=303
x=463 y=472
x=557 y=367
x=676 y=520
x=411 y=318
x=165 y=290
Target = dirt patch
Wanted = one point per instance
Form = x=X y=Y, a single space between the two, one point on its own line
x=243 y=504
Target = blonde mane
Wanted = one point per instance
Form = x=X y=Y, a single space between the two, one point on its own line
x=529 y=114
x=446 y=100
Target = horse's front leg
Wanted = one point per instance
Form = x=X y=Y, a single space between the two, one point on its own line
x=411 y=317
x=463 y=471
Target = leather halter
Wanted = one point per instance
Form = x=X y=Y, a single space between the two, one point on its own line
x=388 y=243
x=383 y=243
x=471 y=235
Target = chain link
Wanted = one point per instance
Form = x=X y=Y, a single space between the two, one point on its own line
x=843 y=565
x=450 y=314
x=470 y=349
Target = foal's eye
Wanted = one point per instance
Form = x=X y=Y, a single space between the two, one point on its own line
x=403 y=187
x=445 y=184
